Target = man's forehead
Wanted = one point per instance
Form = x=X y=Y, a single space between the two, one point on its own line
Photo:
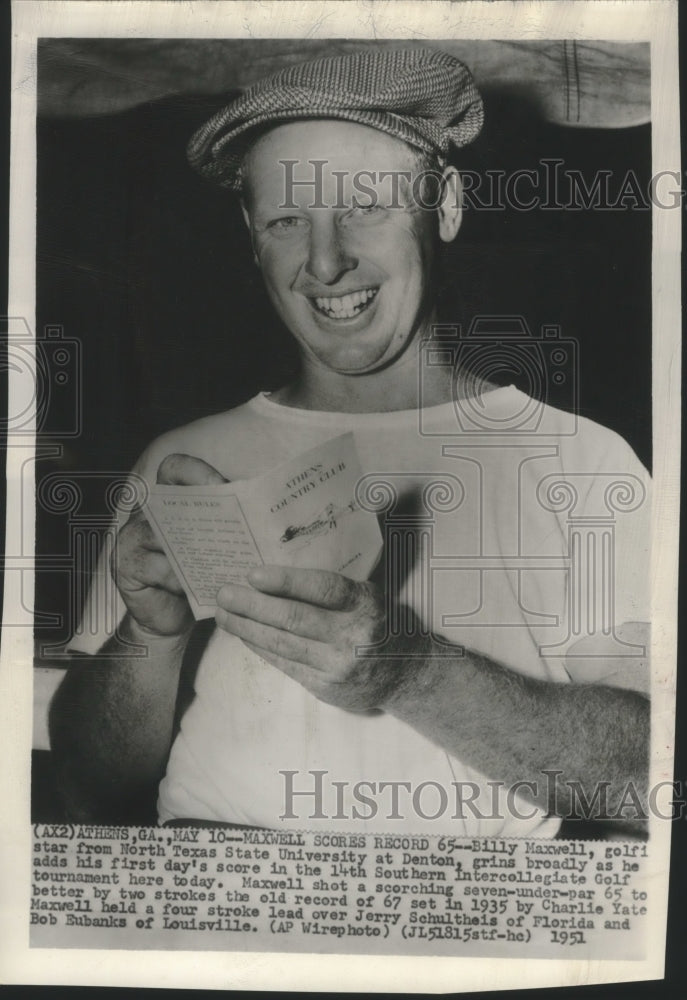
x=331 y=142
x=336 y=158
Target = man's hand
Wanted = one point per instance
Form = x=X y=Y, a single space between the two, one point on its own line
x=308 y=623
x=112 y=718
x=143 y=575
x=510 y=727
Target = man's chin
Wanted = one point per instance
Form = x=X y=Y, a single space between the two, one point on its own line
x=355 y=364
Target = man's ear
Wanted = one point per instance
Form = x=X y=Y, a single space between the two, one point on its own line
x=246 y=219
x=451 y=207
x=244 y=212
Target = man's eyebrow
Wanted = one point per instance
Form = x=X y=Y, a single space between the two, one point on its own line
x=269 y=211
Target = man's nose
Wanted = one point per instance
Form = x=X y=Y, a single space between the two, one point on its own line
x=328 y=257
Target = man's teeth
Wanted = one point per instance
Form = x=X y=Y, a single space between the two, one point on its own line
x=347 y=305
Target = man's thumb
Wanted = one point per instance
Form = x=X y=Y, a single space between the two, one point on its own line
x=185 y=470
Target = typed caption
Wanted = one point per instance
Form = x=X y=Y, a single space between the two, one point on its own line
x=263 y=890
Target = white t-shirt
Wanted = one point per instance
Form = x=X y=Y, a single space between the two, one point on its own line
x=535 y=534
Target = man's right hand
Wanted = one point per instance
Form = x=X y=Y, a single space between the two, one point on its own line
x=144 y=577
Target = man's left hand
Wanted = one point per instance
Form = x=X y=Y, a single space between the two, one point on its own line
x=308 y=623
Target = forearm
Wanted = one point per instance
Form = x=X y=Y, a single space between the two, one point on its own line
x=111 y=725
x=516 y=729
x=311 y=624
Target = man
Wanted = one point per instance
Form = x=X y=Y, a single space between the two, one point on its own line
x=290 y=723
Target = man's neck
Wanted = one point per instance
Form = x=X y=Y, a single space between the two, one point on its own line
x=381 y=392
x=406 y=385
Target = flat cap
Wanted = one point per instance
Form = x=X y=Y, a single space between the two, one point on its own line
x=423 y=96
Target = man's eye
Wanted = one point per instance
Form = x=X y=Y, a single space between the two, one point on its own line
x=286 y=223
x=364 y=212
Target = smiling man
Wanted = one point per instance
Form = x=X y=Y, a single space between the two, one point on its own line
x=349 y=274
x=341 y=166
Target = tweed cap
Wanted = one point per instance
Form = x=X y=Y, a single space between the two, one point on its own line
x=423 y=96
